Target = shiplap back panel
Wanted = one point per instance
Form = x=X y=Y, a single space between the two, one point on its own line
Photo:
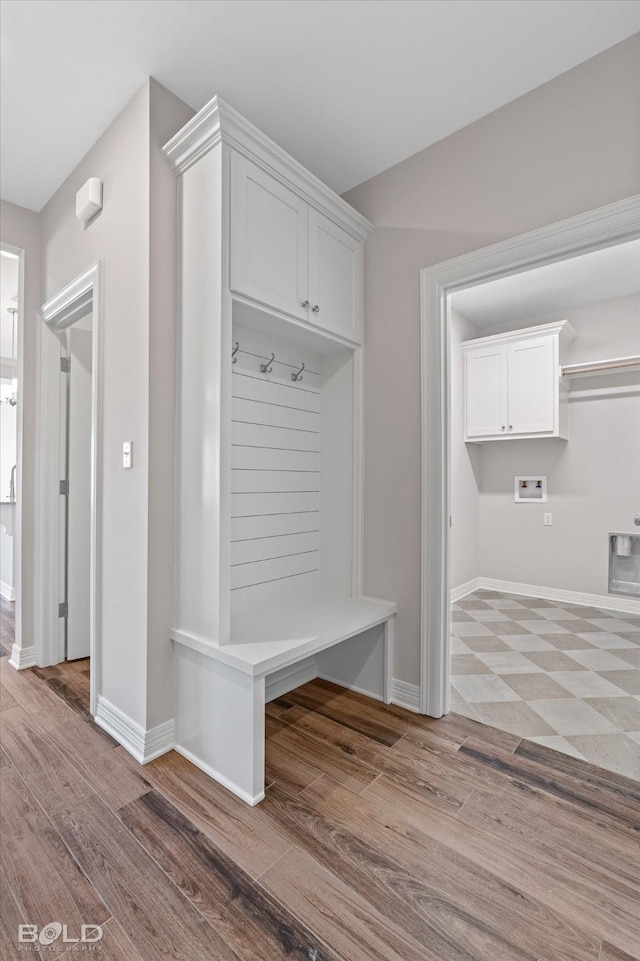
x=275 y=474
x=275 y=592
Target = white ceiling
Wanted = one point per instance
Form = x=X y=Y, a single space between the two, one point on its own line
x=349 y=88
x=587 y=279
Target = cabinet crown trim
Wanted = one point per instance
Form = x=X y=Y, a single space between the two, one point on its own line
x=218 y=122
x=561 y=327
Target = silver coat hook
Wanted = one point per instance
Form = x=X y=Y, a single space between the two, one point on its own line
x=297 y=375
x=234 y=352
x=268 y=367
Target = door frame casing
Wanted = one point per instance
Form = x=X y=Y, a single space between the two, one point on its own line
x=603 y=227
x=59 y=313
x=17 y=655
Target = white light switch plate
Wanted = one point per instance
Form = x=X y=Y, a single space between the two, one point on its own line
x=127 y=454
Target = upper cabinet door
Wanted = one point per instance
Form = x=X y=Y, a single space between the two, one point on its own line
x=335 y=278
x=269 y=231
x=533 y=387
x=486 y=391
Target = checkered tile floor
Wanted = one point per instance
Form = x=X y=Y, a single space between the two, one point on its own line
x=558 y=674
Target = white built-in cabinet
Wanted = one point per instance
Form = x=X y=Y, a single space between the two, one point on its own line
x=513 y=384
x=268 y=565
x=288 y=255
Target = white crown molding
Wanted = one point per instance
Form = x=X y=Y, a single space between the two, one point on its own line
x=143 y=744
x=22 y=657
x=77 y=295
x=561 y=327
x=593 y=230
x=218 y=122
x=405 y=695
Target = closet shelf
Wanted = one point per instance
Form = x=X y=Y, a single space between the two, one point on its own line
x=601 y=366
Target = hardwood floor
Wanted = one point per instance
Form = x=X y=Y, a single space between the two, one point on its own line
x=383 y=835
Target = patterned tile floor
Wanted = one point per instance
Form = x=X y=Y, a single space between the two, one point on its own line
x=559 y=674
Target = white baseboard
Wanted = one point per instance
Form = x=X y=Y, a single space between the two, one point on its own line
x=7 y=592
x=402 y=694
x=351 y=687
x=405 y=695
x=457 y=593
x=22 y=657
x=283 y=681
x=144 y=745
x=609 y=602
x=220 y=778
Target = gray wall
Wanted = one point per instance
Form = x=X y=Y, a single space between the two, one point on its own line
x=565 y=148
x=21 y=228
x=593 y=478
x=135 y=237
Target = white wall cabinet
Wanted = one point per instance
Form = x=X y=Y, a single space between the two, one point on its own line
x=269 y=239
x=513 y=384
x=335 y=278
x=486 y=391
x=288 y=255
x=268 y=569
x=532 y=379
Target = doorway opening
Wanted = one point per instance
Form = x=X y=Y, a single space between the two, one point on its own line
x=545 y=466
x=10 y=446
x=605 y=227
x=75 y=486
x=68 y=531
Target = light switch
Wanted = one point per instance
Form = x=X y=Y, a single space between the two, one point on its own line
x=127 y=454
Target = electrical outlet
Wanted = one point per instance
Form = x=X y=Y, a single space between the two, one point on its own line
x=548 y=520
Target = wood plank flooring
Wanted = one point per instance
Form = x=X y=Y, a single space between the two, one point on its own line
x=384 y=836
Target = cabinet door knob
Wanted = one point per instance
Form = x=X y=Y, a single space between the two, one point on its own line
x=503 y=427
x=315 y=309
x=510 y=426
x=305 y=304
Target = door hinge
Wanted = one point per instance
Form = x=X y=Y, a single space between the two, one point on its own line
x=64 y=487
x=63 y=609
x=65 y=365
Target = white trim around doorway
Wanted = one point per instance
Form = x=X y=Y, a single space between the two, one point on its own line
x=57 y=314
x=19 y=655
x=604 y=227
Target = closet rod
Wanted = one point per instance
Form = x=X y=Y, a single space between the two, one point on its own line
x=617 y=363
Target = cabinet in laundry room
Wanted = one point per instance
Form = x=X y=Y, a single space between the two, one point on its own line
x=513 y=384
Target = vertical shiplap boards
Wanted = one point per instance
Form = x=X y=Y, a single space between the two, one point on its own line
x=275 y=473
